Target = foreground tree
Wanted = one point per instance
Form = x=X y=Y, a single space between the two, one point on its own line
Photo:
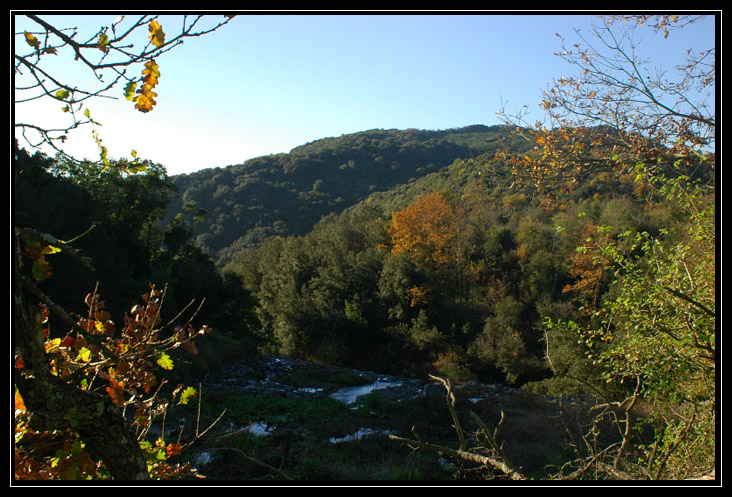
x=618 y=113
x=110 y=57
x=653 y=335
x=74 y=381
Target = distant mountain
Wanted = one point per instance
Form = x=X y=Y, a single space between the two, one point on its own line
x=287 y=194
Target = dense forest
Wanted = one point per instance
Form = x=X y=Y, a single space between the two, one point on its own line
x=575 y=259
x=286 y=194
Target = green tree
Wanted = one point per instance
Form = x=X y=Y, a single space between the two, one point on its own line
x=661 y=333
x=506 y=342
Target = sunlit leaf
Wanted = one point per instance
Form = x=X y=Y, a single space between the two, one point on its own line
x=102 y=148
x=173 y=449
x=62 y=94
x=164 y=361
x=156 y=34
x=151 y=73
x=145 y=99
x=130 y=90
x=52 y=345
x=115 y=391
x=19 y=404
x=187 y=394
x=32 y=40
x=103 y=42
x=84 y=355
x=136 y=168
x=50 y=249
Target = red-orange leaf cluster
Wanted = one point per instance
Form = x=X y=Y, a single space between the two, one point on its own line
x=119 y=363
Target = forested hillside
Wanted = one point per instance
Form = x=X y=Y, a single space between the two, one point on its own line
x=454 y=273
x=572 y=259
x=286 y=194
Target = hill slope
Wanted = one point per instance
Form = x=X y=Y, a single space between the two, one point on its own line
x=286 y=194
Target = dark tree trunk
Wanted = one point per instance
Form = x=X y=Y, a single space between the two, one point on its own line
x=55 y=405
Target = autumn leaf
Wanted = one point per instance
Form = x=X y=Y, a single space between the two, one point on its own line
x=102 y=42
x=62 y=94
x=151 y=73
x=130 y=90
x=190 y=347
x=19 y=404
x=156 y=34
x=145 y=99
x=84 y=355
x=164 y=361
x=173 y=449
x=115 y=392
x=186 y=395
x=41 y=269
x=102 y=148
x=32 y=40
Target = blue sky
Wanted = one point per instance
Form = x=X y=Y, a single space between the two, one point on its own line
x=267 y=83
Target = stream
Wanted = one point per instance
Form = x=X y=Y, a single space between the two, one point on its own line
x=263 y=374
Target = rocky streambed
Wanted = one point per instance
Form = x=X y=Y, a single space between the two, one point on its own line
x=303 y=412
x=278 y=375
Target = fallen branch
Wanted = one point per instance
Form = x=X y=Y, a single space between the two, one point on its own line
x=501 y=463
x=465 y=455
x=450 y=399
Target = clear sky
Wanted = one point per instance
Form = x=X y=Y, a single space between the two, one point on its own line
x=264 y=84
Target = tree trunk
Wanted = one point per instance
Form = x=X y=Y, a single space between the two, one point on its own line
x=55 y=405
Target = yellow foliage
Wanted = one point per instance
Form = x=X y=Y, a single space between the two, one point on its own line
x=157 y=36
x=145 y=99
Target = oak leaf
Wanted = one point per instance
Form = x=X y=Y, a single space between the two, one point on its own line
x=115 y=391
x=173 y=449
x=164 y=361
x=186 y=395
x=157 y=36
x=145 y=99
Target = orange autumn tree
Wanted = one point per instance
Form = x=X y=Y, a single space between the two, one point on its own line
x=427 y=230
x=433 y=233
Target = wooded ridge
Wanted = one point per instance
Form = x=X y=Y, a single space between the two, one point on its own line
x=286 y=194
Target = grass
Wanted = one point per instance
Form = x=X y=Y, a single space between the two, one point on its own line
x=300 y=442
